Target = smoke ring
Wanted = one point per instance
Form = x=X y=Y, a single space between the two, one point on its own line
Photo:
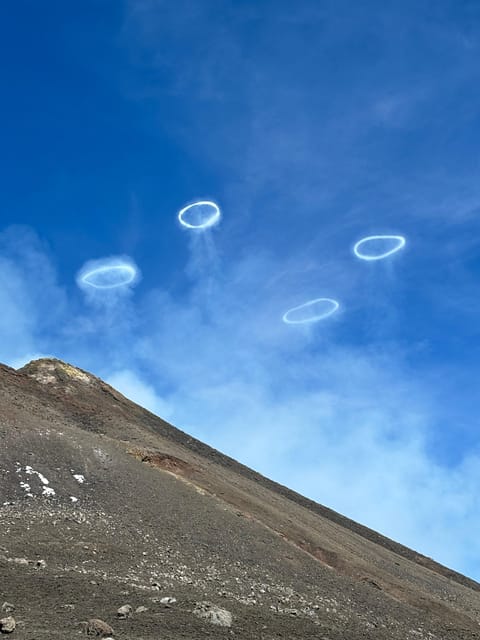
x=91 y=278
x=309 y=319
x=209 y=222
x=400 y=243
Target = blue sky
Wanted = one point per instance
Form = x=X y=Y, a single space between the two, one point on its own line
x=311 y=127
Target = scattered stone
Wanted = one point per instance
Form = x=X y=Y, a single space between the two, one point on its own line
x=212 y=613
x=141 y=609
x=371 y=582
x=168 y=600
x=8 y=607
x=156 y=585
x=96 y=627
x=79 y=518
x=7 y=625
x=68 y=606
x=124 y=611
x=41 y=564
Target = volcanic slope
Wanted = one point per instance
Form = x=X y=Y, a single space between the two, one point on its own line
x=124 y=508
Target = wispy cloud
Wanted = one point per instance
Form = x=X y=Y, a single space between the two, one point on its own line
x=133 y=387
x=30 y=299
x=345 y=425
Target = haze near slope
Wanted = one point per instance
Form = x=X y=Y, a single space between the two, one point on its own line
x=115 y=500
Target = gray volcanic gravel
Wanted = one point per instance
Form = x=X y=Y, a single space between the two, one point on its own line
x=104 y=505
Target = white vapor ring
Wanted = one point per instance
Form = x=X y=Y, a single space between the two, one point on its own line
x=368 y=256
x=320 y=316
x=128 y=269
x=213 y=219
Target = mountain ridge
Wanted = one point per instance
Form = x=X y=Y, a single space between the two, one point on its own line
x=327 y=512
x=307 y=535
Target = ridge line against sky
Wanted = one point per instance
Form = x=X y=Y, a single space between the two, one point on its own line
x=311 y=129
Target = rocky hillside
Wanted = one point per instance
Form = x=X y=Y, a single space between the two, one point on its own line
x=108 y=513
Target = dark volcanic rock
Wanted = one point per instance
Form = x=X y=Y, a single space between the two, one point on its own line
x=121 y=506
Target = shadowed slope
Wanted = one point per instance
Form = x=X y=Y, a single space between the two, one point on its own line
x=108 y=493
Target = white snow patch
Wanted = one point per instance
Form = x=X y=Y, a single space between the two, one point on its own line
x=43 y=480
x=29 y=470
x=40 y=476
x=47 y=491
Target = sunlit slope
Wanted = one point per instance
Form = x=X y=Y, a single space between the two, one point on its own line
x=115 y=499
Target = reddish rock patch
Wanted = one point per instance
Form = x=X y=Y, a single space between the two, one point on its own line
x=164 y=461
